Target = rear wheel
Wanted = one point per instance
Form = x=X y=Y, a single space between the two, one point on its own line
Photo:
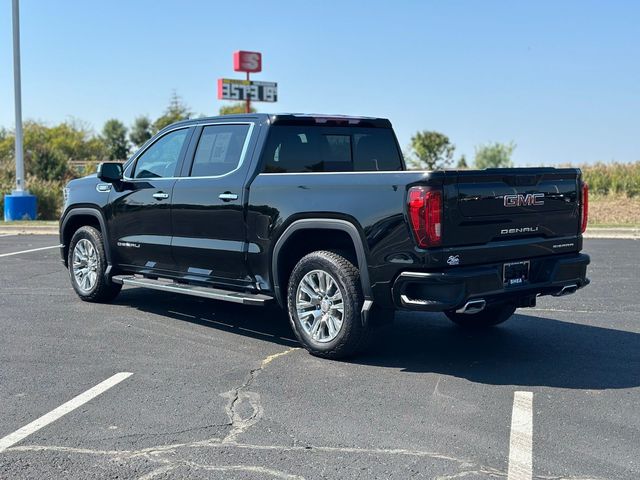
x=490 y=316
x=87 y=266
x=325 y=300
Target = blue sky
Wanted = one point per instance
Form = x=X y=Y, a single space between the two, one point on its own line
x=559 y=78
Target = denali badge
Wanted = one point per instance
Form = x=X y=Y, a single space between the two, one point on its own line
x=507 y=231
x=128 y=244
x=524 y=200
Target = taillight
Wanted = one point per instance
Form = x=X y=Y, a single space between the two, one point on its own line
x=584 y=205
x=425 y=215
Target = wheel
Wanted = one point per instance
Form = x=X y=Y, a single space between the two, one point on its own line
x=491 y=315
x=87 y=265
x=325 y=300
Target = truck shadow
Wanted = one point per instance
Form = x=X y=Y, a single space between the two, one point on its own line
x=263 y=323
x=527 y=350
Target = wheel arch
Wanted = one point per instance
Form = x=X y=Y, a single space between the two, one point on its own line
x=80 y=217
x=313 y=224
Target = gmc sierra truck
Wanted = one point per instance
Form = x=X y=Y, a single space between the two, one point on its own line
x=319 y=214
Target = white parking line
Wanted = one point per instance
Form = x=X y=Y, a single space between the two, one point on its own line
x=62 y=410
x=8 y=235
x=521 y=442
x=27 y=251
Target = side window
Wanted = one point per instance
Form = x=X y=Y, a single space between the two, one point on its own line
x=292 y=149
x=219 y=150
x=161 y=158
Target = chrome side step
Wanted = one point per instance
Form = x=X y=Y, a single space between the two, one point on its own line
x=194 y=290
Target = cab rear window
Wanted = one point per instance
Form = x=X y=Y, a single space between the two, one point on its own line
x=299 y=149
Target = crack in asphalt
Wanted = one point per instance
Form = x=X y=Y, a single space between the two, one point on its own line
x=219 y=468
x=164 y=434
x=239 y=397
x=244 y=410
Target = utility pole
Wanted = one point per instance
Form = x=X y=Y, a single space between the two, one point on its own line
x=20 y=205
x=18 y=100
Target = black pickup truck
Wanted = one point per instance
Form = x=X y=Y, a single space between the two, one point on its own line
x=318 y=214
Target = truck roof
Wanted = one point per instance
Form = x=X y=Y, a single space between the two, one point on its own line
x=297 y=119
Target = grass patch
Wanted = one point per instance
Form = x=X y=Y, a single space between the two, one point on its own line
x=614 y=211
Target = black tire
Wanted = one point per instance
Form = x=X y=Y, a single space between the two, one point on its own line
x=490 y=316
x=103 y=290
x=352 y=336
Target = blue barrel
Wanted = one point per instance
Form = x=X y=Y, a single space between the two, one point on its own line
x=20 y=207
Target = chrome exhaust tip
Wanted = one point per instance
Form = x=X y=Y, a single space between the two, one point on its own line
x=566 y=290
x=472 y=306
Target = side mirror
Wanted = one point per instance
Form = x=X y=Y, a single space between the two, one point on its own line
x=110 y=172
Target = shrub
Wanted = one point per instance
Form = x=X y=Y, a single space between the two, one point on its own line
x=49 y=194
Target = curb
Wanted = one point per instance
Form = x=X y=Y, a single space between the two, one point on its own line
x=613 y=232
x=29 y=230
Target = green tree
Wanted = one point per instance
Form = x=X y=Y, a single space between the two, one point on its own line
x=49 y=153
x=140 y=131
x=235 y=108
x=462 y=163
x=430 y=151
x=114 y=135
x=494 y=155
x=176 y=110
x=74 y=140
x=47 y=163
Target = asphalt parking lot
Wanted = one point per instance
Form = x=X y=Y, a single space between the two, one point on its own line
x=203 y=389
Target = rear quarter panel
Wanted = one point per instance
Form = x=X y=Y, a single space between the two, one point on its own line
x=373 y=201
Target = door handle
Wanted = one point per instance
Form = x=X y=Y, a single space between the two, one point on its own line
x=160 y=195
x=227 y=196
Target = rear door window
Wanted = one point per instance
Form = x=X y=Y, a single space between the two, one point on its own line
x=219 y=150
x=293 y=149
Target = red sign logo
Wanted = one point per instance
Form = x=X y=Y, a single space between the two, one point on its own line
x=247 y=61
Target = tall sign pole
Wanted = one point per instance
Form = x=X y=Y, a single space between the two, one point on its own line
x=18 y=100
x=248 y=109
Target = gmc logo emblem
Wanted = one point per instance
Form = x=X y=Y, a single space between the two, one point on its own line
x=524 y=200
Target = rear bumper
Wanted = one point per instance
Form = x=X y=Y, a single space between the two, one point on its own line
x=450 y=290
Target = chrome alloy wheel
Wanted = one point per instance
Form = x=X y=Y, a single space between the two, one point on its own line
x=85 y=265
x=319 y=306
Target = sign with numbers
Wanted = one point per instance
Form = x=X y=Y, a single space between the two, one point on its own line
x=232 y=89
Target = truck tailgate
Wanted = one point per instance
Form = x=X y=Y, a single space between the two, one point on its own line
x=499 y=205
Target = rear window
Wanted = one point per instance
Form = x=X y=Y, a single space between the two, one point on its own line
x=296 y=149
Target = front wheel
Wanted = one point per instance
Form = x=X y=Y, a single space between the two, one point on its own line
x=87 y=266
x=325 y=301
x=490 y=316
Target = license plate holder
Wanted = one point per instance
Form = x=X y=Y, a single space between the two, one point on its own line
x=515 y=274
